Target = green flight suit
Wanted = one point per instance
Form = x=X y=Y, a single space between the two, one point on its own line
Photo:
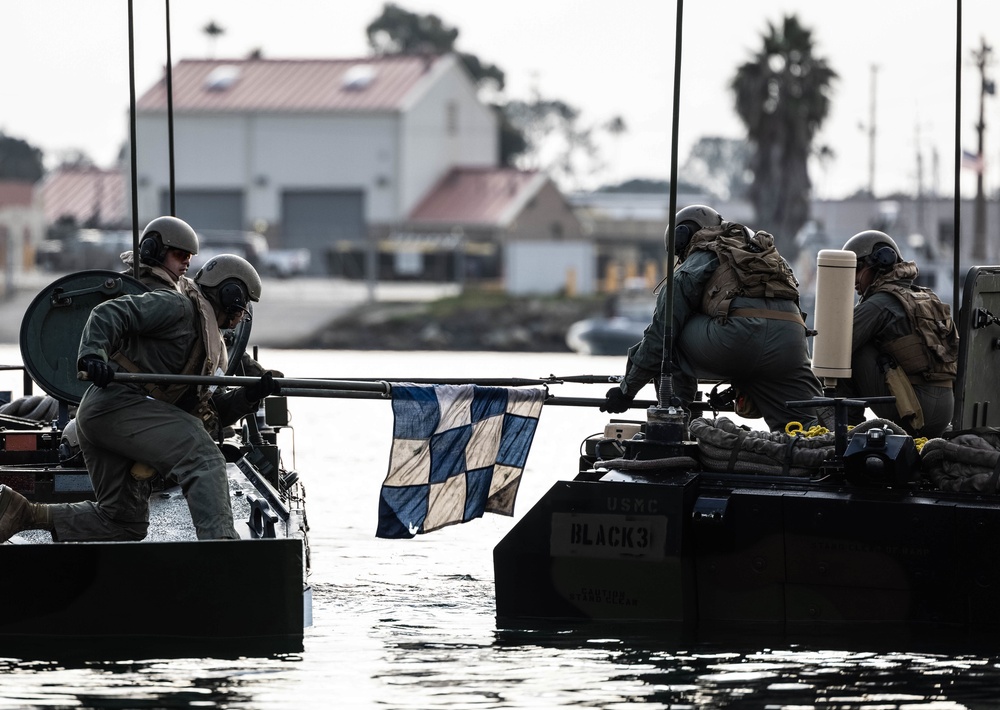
x=120 y=424
x=878 y=318
x=767 y=359
x=155 y=279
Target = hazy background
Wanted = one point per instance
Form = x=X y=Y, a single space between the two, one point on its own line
x=64 y=82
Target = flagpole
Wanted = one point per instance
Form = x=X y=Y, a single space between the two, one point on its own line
x=551 y=400
x=359 y=383
x=379 y=388
x=339 y=389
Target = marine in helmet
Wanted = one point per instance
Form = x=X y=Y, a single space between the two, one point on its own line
x=230 y=283
x=130 y=432
x=728 y=324
x=904 y=342
x=165 y=250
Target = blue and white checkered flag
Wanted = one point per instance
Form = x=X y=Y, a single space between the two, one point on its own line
x=457 y=451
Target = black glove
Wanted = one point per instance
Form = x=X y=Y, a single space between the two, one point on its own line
x=616 y=401
x=98 y=371
x=264 y=387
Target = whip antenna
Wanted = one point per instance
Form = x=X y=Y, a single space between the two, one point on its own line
x=665 y=393
x=131 y=123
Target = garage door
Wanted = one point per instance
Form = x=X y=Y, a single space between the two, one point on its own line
x=207 y=209
x=318 y=219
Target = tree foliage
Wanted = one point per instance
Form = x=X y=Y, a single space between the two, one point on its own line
x=19 y=160
x=399 y=31
x=555 y=141
x=540 y=133
x=783 y=96
x=721 y=166
x=647 y=186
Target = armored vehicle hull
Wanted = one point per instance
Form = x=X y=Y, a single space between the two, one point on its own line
x=169 y=595
x=869 y=543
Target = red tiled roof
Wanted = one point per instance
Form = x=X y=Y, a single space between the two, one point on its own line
x=379 y=84
x=15 y=193
x=487 y=196
x=85 y=193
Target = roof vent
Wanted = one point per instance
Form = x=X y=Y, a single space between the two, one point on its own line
x=359 y=77
x=222 y=77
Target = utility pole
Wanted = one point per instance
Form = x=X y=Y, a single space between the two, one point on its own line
x=921 y=203
x=982 y=58
x=871 y=136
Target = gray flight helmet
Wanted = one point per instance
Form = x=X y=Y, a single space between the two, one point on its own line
x=875 y=249
x=701 y=215
x=166 y=233
x=228 y=281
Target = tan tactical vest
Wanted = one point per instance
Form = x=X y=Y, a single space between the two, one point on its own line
x=748 y=266
x=930 y=351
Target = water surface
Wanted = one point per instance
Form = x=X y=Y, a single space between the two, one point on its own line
x=410 y=623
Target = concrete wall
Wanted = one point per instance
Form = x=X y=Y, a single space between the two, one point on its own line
x=549 y=268
x=546 y=216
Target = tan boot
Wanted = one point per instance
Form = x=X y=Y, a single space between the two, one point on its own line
x=17 y=513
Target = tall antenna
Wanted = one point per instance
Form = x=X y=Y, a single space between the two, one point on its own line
x=665 y=391
x=957 y=157
x=170 y=115
x=135 y=181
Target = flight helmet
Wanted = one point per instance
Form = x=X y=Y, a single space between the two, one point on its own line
x=165 y=233
x=688 y=221
x=229 y=282
x=875 y=249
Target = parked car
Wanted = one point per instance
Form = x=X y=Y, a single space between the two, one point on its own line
x=212 y=242
x=85 y=249
x=284 y=263
x=252 y=246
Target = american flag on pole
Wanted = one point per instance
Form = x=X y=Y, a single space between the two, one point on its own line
x=457 y=451
x=972 y=161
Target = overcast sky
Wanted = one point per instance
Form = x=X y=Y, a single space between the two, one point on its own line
x=64 y=81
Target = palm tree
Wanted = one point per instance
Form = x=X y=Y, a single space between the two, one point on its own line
x=782 y=96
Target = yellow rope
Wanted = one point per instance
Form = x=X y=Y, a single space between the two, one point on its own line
x=796 y=429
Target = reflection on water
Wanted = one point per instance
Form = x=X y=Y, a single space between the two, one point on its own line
x=410 y=623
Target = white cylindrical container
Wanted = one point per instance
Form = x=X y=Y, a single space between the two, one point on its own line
x=834 y=320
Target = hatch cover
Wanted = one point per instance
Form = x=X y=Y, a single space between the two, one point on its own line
x=53 y=323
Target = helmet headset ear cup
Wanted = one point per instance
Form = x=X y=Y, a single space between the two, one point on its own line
x=882 y=259
x=150 y=249
x=232 y=297
x=687 y=222
x=682 y=236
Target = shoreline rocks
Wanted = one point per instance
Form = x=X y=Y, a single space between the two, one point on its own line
x=490 y=322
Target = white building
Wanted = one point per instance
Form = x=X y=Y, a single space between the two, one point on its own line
x=309 y=152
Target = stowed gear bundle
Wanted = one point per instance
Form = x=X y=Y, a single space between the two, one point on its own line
x=964 y=461
x=37 y=408
x=724 y=445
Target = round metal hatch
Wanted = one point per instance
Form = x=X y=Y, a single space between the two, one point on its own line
x=54 y=321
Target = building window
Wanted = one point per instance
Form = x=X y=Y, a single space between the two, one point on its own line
x=451 y=118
